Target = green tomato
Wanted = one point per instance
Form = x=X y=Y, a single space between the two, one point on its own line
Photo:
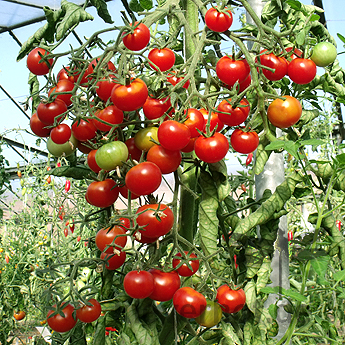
x=65 y=149
x=143 y=138
x=211 y=316
x=111 y=155
x=324 y=53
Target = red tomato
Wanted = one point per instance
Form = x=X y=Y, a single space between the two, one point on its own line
x=34 y=63
x=233 y=117
x=60 y=323
x=167 y=161
x=104 y=88
x=110 y=239
x=195 y=120
x=133 y=151
x=296 y=53
x=231 y=71
x=155 y=108
x=214 y=121
x=102 y=193
x=173 y=79
x=49 y=112
x=114 y=261
x=92 y=65
x=144 y=178
x=302 y=71
x=130 y=97
x=83 y=147
x=165 y=284
x=138 y=39
x=245 y=84
x=91 y=162
x=164 y=59
x=279 y=64
x=66 y=74
x=124 y=192
x=212 y=149
x=61 y=133
x=173 y=135
x=89 y=313
x=155 y=220
x=189 y=302
x=59 y=91
x=244 y=142
x=249 y=158
x=84 y=130
x=186 y=270
x=38 y=127
x=138 y=284
x=231 y=301
x=110 y=114
x=190 y=146
x=19 y=315
x=284 y=113
x=143 y=239
x=218 y=21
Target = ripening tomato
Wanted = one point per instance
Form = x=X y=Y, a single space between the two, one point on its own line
x=138 y=284
x=63 y=90
x=38 y=127
x=233 y=117
x=154 y=108
x=244 y=142
x=189 y=302
x=104 y=88
x=231 y=301
x=61 y=133
x=111 y=114
x=231 y=71
x=212 y=149
x=155 y=220
x=186 y=270
x=165 y=284
x=65 y=149
x=138 y=39
x=19 y=315
x=91 y=162
x=133 y=151
x=144 y=178
x=164 y=59
x=33 y=61
x=50 y=112
x=194 y=121
x=89 y=313
x=211 y=316
x=84 y=130
x=173 y=135
x=302 y=71
x=279 y=64
x=114 y=261
x=111 y=155
x=284 y=113
x=167 y=161
x=102 y=193
x=110 y=239
x=146 y=138
x=324 y=53
x=130 y=97
x=218 y=21
x=63 y=323
x=214 y=120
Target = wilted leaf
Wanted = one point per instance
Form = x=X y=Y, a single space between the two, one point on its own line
x=263 y=274
x=102 y=10
x=78 y=172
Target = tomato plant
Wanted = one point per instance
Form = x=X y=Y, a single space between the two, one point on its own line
x=284 y=113
x=211 y=316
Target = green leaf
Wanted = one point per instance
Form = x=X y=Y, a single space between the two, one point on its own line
x=74 y=15
x=314 y=142
x=34 y=90
x=251 y=299
x=253 y=261
x=307 y=254
x=135 y=6
x=301 y=192
x=294 y=295
x=261 y=157
x=146 y=4
x=78 y=172
x=273 y=310
x=341 y=37
x=339 y=275
x=314 y=18
x=220 y=175
x=102 y=10
x=208 y=221
x=229 y=334
x=340 y=158
x=320 y=265
x=296 y=5
x=99 y=337
x=275 y=145
x=301 y=36
x=263 y=274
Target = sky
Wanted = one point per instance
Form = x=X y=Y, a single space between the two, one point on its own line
x=14 y=75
